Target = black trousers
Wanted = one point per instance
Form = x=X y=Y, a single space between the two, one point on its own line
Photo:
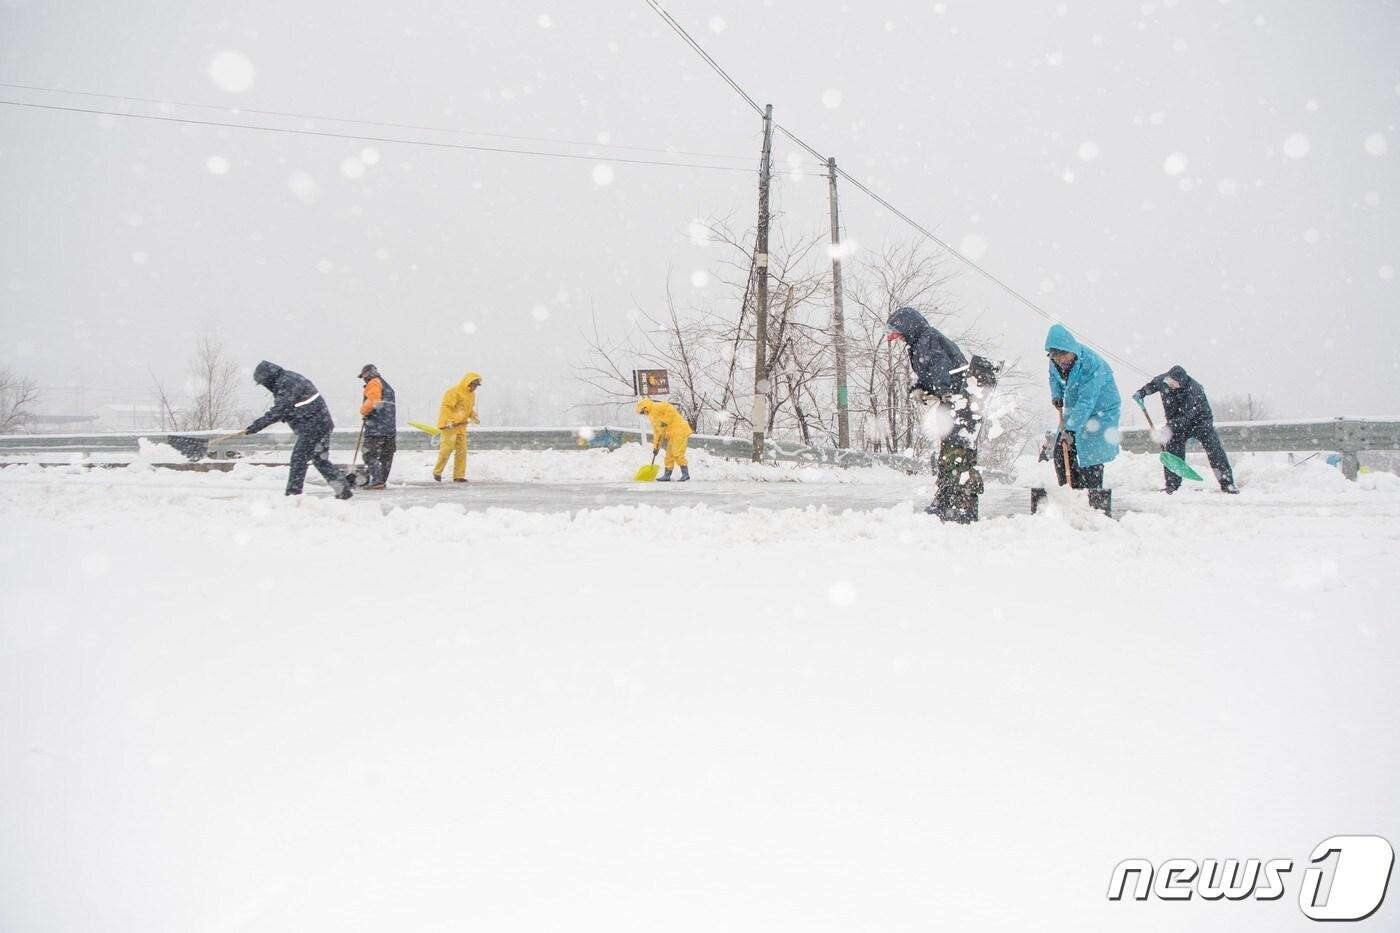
x=1204 y=432
x=379 y=458
x=313 y=447
x=1089 y=477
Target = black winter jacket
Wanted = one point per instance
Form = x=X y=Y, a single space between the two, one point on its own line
x=933 y=356
x=295 y=400
x=1185 y=405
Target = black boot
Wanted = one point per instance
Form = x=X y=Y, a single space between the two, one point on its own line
x=664 y=477
x=344 y=491
x=685 y=474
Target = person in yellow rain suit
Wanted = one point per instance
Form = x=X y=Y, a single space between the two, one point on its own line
x=668 y=426
x=458 y=410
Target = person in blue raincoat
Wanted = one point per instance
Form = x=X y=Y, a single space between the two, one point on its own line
x=1083 y=390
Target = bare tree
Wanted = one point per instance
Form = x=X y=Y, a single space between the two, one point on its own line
x=18 y=397
x=211 y=390
x=1246 y=407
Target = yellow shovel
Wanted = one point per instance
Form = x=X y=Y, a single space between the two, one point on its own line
x=425 y=428
x=647 y=471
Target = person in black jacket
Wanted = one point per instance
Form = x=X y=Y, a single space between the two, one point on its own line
x=297 y=402
x=1189 y=415
x=381 y=429
x=943 y=376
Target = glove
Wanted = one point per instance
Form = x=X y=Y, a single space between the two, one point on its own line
x=1058 y=402
x=1067 y=438
x=922 y=396
x=1137 y=397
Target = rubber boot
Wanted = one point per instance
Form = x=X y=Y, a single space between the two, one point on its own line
x=664 y=477
x=685 y=474
x=344 y=491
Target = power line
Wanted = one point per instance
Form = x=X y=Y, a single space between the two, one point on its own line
x=385 y=139
x=880 y=200
x=235 y=111
x=690 y=40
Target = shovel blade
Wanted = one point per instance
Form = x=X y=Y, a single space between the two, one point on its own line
x=194 y=448
x=1179 y=467
x=425 y=428
x=647 y=472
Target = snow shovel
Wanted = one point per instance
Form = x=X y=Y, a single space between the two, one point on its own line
x=1171 y=461
x=647 y=471
x=197 y=448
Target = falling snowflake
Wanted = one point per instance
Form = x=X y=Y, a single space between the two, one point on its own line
x=1387 y=272
x=540 y=313
x=831 y=98
x=304 y=187
x=699 y=278
x=842 y=593
x=717 y=24
x=1088 y=150
x=603 y=175
x=1174 y=164
x=1376 y=145
x=232 y=72
x=352 y=167
x=217 y=165
x=1296 y=146
x=974 y=246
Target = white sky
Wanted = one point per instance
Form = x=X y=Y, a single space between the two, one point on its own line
x=1129 y=165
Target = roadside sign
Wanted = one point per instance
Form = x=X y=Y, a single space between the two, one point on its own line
x=648 y=382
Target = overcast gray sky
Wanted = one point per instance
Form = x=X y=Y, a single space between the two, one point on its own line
x=1203 y=182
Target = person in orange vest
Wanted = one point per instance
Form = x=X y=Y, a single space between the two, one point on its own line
x=670 y=427
x=458 y=410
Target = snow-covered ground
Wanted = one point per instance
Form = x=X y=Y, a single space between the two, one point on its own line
x=221 y=709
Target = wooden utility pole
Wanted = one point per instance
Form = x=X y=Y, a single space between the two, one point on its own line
x=760 y=343
x=838 y=319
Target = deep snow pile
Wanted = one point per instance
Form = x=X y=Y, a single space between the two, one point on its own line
x=224 y=709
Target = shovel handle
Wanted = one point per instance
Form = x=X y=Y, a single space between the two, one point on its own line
x=356 y=455
x=227 y=437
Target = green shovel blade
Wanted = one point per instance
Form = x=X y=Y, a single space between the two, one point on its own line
x=1179 y=467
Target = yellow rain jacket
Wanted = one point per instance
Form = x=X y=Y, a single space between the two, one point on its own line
x=459 y=406
x=666 y=422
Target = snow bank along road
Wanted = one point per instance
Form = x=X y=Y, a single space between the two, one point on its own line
x=221 y=709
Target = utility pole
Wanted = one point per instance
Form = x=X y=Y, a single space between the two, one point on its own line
x=760 y=343
x=838 y=319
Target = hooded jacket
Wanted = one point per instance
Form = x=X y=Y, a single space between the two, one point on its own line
x=667 y=423
x=932 y=355
x=1089 y=397
x=295 y=400
x=459 y=406
x=378 y=408
x=1184 y=406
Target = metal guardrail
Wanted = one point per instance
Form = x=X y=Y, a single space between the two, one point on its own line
x=1347 y=436
x=583 y=438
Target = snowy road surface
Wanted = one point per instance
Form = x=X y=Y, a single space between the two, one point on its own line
x=221 y=709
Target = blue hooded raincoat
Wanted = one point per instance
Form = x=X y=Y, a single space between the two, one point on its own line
x=1090 y=396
